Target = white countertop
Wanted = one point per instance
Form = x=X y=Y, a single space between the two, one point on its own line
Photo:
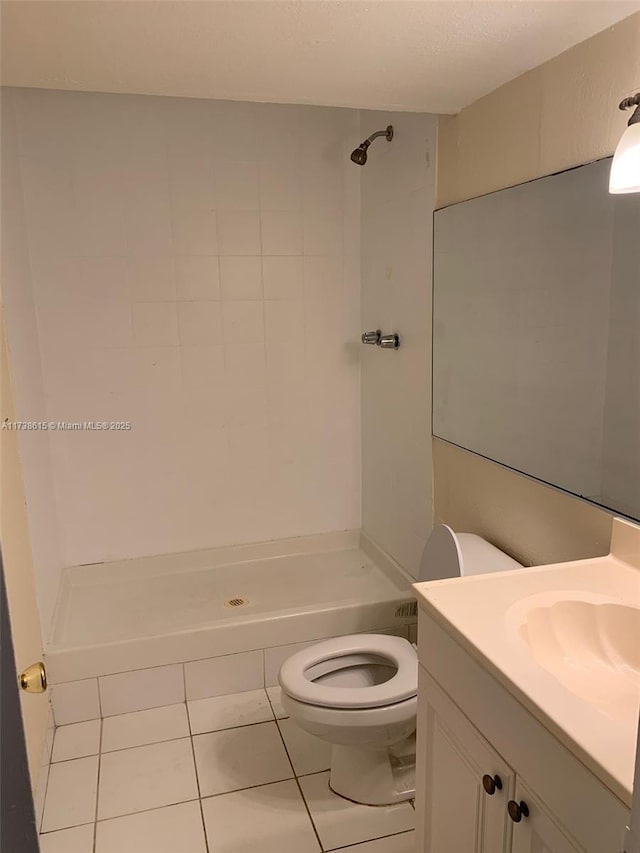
x=482 y=613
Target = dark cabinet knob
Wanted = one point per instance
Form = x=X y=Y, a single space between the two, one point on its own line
x=517 y=810
x=491 y=784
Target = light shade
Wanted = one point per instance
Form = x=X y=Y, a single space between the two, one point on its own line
x=625 y=169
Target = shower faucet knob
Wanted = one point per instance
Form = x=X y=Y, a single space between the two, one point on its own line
x=389 y=341
x=371 y=337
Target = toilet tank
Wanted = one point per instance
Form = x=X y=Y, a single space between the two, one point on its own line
x=450 y=555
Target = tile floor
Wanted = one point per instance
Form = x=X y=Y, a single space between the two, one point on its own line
x=230 y=774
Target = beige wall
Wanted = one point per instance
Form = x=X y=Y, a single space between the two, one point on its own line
x=559 y=115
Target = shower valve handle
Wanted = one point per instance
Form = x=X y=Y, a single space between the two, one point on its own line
x=389 y=341
x=371 y=337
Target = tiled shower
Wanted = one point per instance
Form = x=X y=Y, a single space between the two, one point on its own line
x=196 y=274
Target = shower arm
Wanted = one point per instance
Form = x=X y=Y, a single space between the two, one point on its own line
x=388 y=133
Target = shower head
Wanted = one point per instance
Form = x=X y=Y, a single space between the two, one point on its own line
x=359 y=154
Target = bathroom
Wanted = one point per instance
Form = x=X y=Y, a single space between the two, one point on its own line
x=218 y=484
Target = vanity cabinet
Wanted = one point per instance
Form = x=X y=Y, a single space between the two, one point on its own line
x=539 y=832
x=468 y=785
x=495 y=698
x=471 y=790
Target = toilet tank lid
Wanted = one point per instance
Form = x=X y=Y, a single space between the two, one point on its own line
x=449 y=555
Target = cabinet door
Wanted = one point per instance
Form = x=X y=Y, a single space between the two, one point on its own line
x=538 y=832
x=454 y=811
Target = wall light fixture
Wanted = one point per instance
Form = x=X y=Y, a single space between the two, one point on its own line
x=625 y=169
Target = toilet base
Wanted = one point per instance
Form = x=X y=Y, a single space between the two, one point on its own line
x=374 y=777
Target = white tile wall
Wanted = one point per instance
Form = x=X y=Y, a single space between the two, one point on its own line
x=141 y=689
x=162 y=232
x=239 y=232
x=197 y=277
x=241 y=277
x=282 y=277
x=26 y=368
x=228 y=674
x=397 y=207
x=276 y=656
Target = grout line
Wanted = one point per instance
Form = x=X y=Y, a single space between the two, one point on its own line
x=195 y=770
x=144 y=811
x=224 y=793
x=64 y=828
x=368 y=841
x=139 y=711
x=46 y=789
x=234 y=728
x=95 y=821
x=99 y=689
x=144 y=668
x=248 y=788
x=309 y=813
x=273 y=710
x=165 y=740
x=76 y=757
x=191 y=736
x=143 y=745
x=300 y=791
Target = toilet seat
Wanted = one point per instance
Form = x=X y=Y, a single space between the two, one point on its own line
x=298 y=671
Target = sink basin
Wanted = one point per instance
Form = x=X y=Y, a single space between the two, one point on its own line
x=591 y=648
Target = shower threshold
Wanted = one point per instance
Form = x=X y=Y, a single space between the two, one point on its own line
x=150 y=611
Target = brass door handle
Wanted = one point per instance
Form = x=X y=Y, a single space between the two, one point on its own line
x=34 y=678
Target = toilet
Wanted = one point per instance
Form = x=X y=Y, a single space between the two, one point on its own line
x=359 y=692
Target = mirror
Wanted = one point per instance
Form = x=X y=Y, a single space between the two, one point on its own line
x=536 y=337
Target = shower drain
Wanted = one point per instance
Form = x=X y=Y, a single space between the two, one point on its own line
x=236 y=602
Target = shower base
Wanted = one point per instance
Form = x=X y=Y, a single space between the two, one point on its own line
x=151 y=611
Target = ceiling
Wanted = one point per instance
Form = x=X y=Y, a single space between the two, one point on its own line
x=390 y=54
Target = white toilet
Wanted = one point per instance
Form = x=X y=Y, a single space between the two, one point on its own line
x=359 y=692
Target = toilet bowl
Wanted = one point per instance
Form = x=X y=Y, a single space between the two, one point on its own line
x=359 y=692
